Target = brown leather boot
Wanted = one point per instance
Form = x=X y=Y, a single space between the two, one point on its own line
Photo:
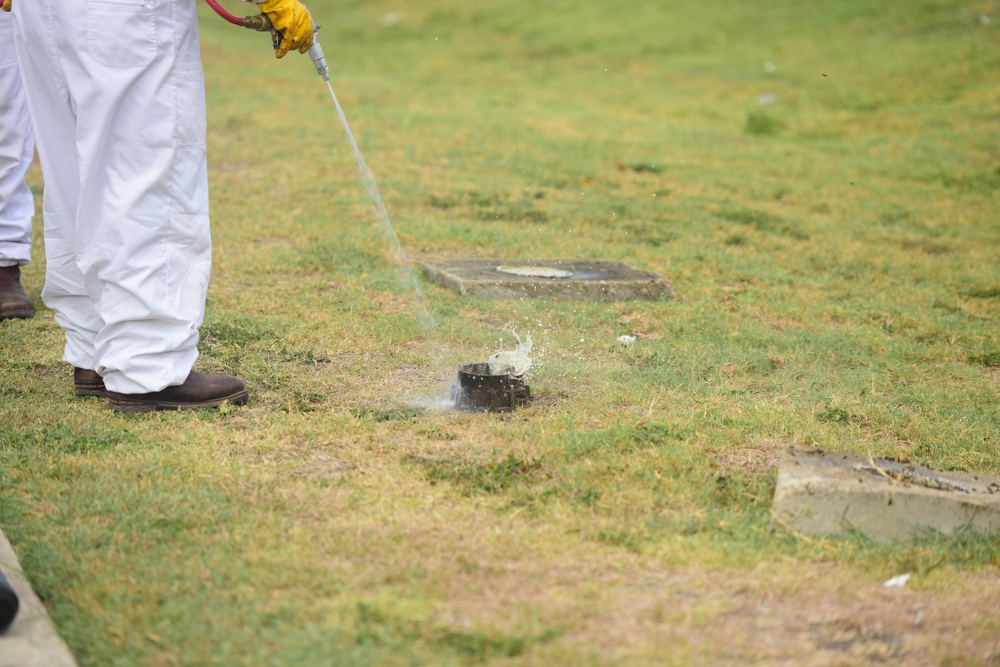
x=198 y=391
x=88 y=383
x=14 y=301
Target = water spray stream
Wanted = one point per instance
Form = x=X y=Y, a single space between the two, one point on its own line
x=399 y=256
x=501 y=389
x=439 y=369
x=405 y=273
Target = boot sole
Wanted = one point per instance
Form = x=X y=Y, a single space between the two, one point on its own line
x=129 y=405
x=88 y=391
x=17 y=315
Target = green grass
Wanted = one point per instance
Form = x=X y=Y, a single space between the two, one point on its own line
x=836 y=261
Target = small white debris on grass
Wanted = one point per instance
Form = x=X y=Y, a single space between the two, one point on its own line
x=626 y=340
x=897 y=581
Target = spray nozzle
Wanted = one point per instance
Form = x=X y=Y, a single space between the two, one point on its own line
x=316 y=53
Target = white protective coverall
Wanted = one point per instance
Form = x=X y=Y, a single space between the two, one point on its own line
x=17 y=206
x=117 y=99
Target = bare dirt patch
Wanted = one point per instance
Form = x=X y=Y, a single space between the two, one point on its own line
x=821 y=619
x=755 y=460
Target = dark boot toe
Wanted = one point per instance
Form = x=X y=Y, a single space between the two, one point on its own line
x=198 y=391
x=14 y=301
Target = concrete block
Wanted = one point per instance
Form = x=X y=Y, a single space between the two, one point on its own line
x=822 y=494
x=571 y=279
x=31 y=640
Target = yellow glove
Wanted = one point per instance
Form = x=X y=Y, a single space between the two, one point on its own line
x=5 y=5
x=292 y=20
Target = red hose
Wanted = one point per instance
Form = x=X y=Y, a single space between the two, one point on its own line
x=235 y=20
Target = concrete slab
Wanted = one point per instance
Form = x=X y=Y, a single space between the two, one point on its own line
x=570 y=279
x=30 y=641
x=822 y=494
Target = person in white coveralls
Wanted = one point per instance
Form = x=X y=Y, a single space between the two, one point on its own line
x=116 y=96
x=17 y=205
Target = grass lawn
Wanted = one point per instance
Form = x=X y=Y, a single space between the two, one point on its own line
x=819 y=182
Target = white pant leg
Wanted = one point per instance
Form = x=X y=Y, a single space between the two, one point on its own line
x=53 y=112
x=117 y=101
x=17 y=206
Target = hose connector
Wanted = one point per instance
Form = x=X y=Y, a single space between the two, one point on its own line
x=258 y=22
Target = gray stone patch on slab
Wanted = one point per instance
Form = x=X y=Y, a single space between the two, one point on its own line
x=30 y=641
x=822 y=494
x=587 y=279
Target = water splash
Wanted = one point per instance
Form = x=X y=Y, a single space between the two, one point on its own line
x=514 y=363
